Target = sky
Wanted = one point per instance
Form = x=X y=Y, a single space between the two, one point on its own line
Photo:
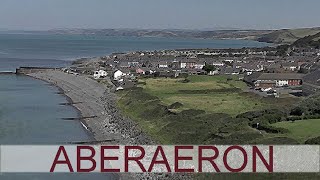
x=158 y=14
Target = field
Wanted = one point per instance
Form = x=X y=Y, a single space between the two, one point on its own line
x=215 y=94
x=202 y=110
x=301 y=130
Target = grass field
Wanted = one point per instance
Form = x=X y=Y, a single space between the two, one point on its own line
x=301 y=130
x=217 y=94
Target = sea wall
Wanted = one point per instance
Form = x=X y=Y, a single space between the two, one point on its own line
x=30 y=70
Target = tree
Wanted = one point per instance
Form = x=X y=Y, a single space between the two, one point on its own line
x=209 y=68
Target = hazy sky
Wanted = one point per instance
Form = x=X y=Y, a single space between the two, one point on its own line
x=182 y=14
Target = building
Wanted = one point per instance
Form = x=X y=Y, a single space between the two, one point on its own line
x=187 y=64
x=163 y=65
x=218 y=63
x=117 y=75
x=100 y=74
x=271 y=80
x=290 y=66
x=199 y=65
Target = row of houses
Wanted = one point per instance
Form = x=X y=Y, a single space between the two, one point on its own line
x=273 y=80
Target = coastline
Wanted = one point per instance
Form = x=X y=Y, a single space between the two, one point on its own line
x=97 y=109
x=100 y=132
x=108 y=123
x=70 y=103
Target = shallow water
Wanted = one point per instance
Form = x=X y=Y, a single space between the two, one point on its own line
x=30 y=114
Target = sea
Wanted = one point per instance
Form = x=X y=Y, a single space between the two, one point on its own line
x=31 y=110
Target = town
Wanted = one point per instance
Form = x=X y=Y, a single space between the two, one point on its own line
x=266 y=73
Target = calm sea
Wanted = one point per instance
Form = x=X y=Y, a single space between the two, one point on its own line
x=29 y=109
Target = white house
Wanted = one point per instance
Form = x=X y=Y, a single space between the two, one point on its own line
x=163 y=65
x=199 y=66
x=217 y=63
x=117 y=75
x=100 y=74
x=215 y=72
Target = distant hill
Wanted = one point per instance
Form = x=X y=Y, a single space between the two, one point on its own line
x=208 y=34
x=308 y=41
x=288 y=36
x=284 y=36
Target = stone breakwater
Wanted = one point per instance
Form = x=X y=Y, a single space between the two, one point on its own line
x=98 y=102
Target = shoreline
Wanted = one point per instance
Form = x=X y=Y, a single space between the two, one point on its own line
x=71 y=103
x=109 y=125
x=100 y=133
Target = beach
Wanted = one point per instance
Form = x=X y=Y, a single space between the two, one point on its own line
x=97 y=106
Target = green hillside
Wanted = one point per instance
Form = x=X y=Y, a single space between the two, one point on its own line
x=312 y=41
x=288 y=36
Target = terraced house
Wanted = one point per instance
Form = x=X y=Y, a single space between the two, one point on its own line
x=271 y=80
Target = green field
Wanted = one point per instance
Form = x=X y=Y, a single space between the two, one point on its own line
x=216 y=94
x=207 y=111
x=301 y=130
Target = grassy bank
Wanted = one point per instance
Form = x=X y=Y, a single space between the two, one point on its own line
x=301 y=130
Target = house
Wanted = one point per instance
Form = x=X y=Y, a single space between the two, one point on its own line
x=187 y=64
x=140 y=71
x=163 y=65
x=133 y=63
x=308 y=67
x=215 y=72
x=230 y=70
x=290 y=66
x=199 y=65
x=252 y=67
x=218 y=63
x=273 y=68
x=196 y=72
x=124 y=65
x=175 y=65
x=99 y=74
x=271 y=80
x=117 y=76
x=144 y=71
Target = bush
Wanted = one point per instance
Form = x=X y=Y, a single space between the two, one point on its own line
x=297 y=111
x=316 y=116
x=185 y=80
x=293 y=118
x=265 y=116
x=315 y=140
x=175 y=105
x=310 y=106
x=191 y=112
x=271 y=129
x=277 y=140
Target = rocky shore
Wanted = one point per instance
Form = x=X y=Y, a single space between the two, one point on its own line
x=96 y=103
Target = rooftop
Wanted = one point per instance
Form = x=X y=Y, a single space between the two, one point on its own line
x=280 y=76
